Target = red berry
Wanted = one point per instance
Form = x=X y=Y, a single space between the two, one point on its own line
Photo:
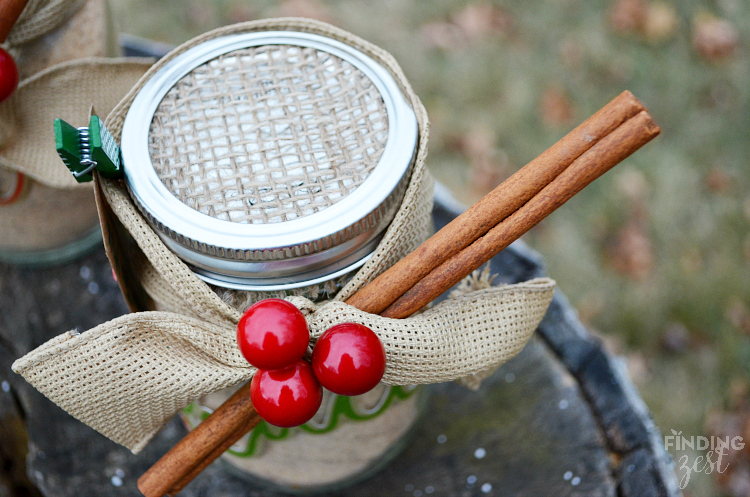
x=349 y=359
x=8 y=75
x=286 y=397
x=272 y=334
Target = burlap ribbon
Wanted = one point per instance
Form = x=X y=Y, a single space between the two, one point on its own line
x=67 y=91
x=38 y=18
x=127 y=377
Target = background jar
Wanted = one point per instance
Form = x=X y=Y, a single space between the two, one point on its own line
x=272 y=163
x=41 y=224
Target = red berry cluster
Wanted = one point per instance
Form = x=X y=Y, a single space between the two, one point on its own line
x=8 y=75
x=348 y=359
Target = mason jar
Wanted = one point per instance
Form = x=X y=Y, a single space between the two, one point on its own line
x=37 y=221
x=272 y=163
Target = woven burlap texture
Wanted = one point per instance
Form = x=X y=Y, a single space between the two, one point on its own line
x=302 y=130
x=38 y=18
x=129 y=376
x=67 y=91
x=411 y=224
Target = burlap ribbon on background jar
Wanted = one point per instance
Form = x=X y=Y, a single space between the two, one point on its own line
x=129 y=376
x=66 y=90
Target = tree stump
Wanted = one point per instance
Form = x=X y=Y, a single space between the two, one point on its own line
x=562 y=418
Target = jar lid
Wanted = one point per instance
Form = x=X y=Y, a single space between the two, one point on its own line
x=269 y=160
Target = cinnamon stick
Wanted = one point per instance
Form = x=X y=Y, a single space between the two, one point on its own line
x=179 y=465
x=595 y=146
x=247 y=425
x=600 y=158
x=10 y=11
x=494 y=207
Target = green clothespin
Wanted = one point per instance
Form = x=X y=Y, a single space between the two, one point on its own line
x=88 y=148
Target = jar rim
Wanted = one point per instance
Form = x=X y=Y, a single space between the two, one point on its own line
x=200 y=239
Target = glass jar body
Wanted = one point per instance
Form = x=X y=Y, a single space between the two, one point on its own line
x=349 y=439
x=41 y=224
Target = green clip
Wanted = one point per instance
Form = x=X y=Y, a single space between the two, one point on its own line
x=104 y=150
x=85 y=149
x=68 y=145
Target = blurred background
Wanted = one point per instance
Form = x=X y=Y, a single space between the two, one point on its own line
x=656 y=254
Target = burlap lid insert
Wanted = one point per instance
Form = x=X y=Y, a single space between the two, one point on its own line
x=268 y=134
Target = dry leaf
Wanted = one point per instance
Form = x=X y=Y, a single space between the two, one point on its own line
x=488 y=165
x=714 y=38
x=660 y=22
x=718 y=180
x=734 y=479
x=738 y=314
x=632 y=183
x=240 y=12
x=482 y=19
x=199 y=14
x=442 y=35
x=312 y=9
x=571 y=53
x=474 y=22
x=628 y=16
x=675 y=338
x=555 y=108
x=632 y=253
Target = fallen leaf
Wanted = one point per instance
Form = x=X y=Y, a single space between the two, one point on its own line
x=240 y=12
x=628 y=16
x=638 y=368
x=632 y=253
x=473 y=23
x=481 y=19
x=199 y=14
x=738 y=314
x=488 y=165
x=675 y=338
x=718 y=180
x=312 y=9
x=442 y=35
x=713 y=38
x=555 y=108
x=571 y=53
x=734 y=425
x=659 y=23
x=632 y=183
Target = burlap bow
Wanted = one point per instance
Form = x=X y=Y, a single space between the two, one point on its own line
x=128 y=377
x=67 y=91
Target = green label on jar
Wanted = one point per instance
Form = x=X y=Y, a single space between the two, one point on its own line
x=343 y=408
